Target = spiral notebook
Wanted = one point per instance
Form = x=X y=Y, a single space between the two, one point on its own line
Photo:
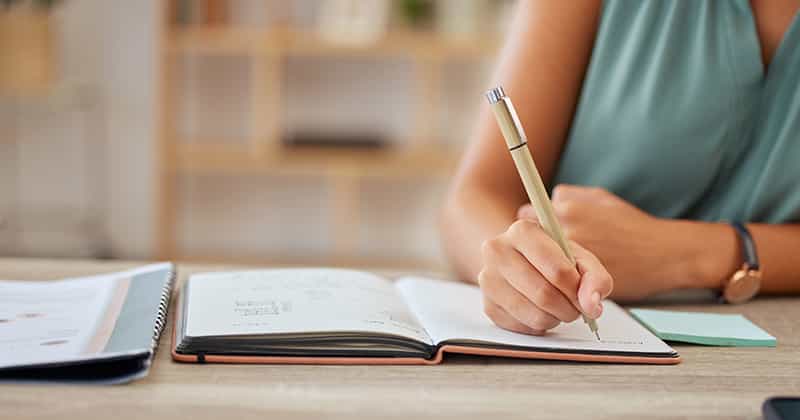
x=98 y=329
x=335 y=316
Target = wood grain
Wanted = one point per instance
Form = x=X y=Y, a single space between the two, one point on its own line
x=711 y=382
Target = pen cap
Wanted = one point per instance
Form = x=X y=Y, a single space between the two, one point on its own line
x=495 y=95
x=506 y=117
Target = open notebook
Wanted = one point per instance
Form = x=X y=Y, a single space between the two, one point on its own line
x=350 y=317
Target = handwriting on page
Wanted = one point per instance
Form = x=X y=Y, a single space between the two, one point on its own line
x=261 y=307
x=299 y=300
x=602 y=341
x=626 y=342
x=250 y=312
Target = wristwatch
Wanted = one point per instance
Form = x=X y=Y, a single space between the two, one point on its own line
x=746 y=281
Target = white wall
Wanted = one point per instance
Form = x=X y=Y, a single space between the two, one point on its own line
x=107 y=51
x=129 y=60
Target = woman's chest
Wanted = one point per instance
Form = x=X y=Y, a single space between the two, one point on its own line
x=676 y=104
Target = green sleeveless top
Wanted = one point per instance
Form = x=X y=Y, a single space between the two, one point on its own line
x=678 y=116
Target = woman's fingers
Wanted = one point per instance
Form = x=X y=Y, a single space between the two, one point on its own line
x=526 y=211
x=517 y=271
x=523 y=277
x=596 y=282
x=577 y=193
x=530 y=286
x=496 y=289
x=546 y=256
x=505 y=321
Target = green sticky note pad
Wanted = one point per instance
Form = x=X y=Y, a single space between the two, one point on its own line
x=704 y=328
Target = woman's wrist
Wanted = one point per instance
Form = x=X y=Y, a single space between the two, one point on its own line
x=707 y=253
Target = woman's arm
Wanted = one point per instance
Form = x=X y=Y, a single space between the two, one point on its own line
x=648 y=255
x=527 y=282
x=719 y=254
x=542 y=68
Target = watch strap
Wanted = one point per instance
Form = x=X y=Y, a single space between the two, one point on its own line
x=748 y=245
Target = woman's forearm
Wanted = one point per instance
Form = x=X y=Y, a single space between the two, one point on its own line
x=542 y=66
x=647 y=255
x=718 y=254
x=469 y=217
x=778 y=247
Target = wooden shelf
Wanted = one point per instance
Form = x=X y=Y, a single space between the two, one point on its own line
x=371 y=263
x=223 y=40
x=295 y=42
x=342 y=170
x=316 y=161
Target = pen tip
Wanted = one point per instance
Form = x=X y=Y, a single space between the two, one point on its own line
x=597 y=334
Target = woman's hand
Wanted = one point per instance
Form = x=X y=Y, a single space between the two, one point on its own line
x=639 y=250
x=529 y=286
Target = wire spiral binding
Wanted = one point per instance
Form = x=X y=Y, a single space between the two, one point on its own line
x=163 y=308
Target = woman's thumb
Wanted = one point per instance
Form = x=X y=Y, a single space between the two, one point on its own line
x=526 y=211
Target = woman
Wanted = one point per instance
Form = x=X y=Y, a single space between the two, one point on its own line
x=657 y=123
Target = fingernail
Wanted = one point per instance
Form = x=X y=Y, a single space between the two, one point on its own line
x=596 y=303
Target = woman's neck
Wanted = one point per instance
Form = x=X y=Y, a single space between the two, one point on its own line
x=773 y=18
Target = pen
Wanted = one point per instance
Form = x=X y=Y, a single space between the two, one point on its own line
x=517 y=143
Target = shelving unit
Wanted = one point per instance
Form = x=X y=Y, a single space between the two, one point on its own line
x=261 y=152
x=287 y=41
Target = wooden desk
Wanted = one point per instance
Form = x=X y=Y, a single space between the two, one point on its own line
x=710 y=383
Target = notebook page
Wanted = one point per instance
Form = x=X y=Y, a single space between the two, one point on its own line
x=43 y=322
x=295 y=301
x=452 y=311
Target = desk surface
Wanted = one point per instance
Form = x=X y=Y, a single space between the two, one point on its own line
x=710 y=383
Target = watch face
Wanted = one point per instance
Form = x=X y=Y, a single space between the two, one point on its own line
x=743 y=286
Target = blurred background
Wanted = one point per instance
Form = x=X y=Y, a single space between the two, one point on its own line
x=305 y=132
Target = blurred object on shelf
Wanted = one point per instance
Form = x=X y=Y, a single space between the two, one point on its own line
x=181 y=11
x=208 y=12
x=27 y=63
x=462 y=19
x=337 y=140
x=353 y=22
x=417 y=13
x=216 y=12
